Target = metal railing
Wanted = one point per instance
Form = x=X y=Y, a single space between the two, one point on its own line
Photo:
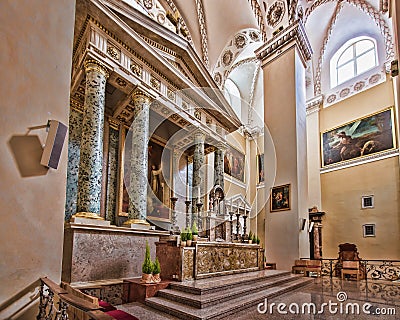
x=388 y=270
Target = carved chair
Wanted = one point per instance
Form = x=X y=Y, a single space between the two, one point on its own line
x=348 y=253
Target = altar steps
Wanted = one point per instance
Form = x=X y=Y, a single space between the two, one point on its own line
x=214 y=298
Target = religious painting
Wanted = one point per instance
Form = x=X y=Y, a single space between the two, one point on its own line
x=280 y=198
x=260 y=168
x=234 y=162
x=362 y=137
x=158 y=193
x=158 y=187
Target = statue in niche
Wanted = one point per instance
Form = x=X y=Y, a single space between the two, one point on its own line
x=156 y=184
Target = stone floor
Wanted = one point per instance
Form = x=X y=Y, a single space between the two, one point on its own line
x=342 y=296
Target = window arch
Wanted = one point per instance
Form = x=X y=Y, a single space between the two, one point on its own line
x=355 y=57
x=232 y=94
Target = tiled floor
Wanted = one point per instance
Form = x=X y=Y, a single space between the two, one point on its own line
x=343 y=295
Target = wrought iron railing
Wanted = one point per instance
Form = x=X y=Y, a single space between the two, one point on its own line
x=55 y=302
x=371 y=269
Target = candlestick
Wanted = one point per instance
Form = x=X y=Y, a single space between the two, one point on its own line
x=198 y=192
x=187 y=191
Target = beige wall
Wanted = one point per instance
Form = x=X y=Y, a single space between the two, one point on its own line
x=341 y=198
x=35 y=63
x=342 y=189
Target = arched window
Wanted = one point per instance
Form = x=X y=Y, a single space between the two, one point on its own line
x=232 y=94
x=352 y=59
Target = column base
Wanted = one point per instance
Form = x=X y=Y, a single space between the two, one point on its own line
x=137 y=224
x=89 y=218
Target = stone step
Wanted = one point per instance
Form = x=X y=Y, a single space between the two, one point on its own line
x=215 y=297
x=226 y=308
x=222 y=283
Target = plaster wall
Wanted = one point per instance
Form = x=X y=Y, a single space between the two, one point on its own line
x=286 y=122
x=342 y=189
x=36 y=39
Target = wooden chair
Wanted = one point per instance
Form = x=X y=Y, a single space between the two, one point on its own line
x=351 y=268
x=313 y=266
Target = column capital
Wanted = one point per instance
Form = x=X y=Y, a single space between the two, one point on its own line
x=140 y=95
x=92 y=64
x=314 y=104
x=199 y=135
x=294 y=34
x=223 y=146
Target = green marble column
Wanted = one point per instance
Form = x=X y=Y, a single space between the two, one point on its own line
x=198 y=173
x=219 y=166
x=91 y=153
x=137 y=211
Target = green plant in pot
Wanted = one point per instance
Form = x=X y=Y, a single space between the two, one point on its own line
x=258 y=240
x=156 y=271
x=250 y=237
x=254 y=239
x=147 y=266
x=195 y=231
x=183 y=238
x=189 y=237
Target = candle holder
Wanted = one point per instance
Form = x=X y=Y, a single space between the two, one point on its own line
x=244 y=224
x=175 y=228
x=187 y=202
x=199 y=220
x=237 y=225
x=231 y=223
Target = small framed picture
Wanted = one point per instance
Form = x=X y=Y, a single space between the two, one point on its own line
x=280 y=198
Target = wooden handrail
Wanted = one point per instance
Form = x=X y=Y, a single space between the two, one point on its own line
x=67 y=298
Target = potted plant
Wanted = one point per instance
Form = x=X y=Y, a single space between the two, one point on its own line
x=195 y=232
x=189 y=237
x=254 y=239
x=183 y=238
x=250 y=237
x=156 y=271
x=147 y=266
x=258 y=240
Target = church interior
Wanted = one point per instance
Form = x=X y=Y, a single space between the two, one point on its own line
x=265 y=132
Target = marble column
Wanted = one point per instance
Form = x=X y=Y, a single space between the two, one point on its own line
x=91 y=149
x=198 y=172
x=219 y=166
x=137 y=190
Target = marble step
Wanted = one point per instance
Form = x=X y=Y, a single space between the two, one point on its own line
x=223 y=309
x=222 y=283
x=216 y=297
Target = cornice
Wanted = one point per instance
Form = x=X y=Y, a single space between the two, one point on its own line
x=293 y=33
x=314 y=105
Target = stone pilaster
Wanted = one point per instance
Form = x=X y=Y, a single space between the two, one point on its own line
x=198 y=171
x=284 y=58
x=137 y=190
x=91 y=153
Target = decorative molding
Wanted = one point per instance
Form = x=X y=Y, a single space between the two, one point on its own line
x=203 y=32
x=234 y=47
x=369 y=10
x=293 y=32
x=358 y=86
x=184 y=26
x=314 y=105
x=384 y=6
x=275 y=13
x=318 y=74
x=255 y=6
x=252 y=91
x=366 y=159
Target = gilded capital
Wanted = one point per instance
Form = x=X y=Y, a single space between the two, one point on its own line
x=94 y=65
x=140 y=97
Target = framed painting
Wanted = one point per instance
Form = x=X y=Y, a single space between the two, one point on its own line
x=280 y=198
x=234 y=162
x=359 y=138
x=260 y=168
x=158 y=188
